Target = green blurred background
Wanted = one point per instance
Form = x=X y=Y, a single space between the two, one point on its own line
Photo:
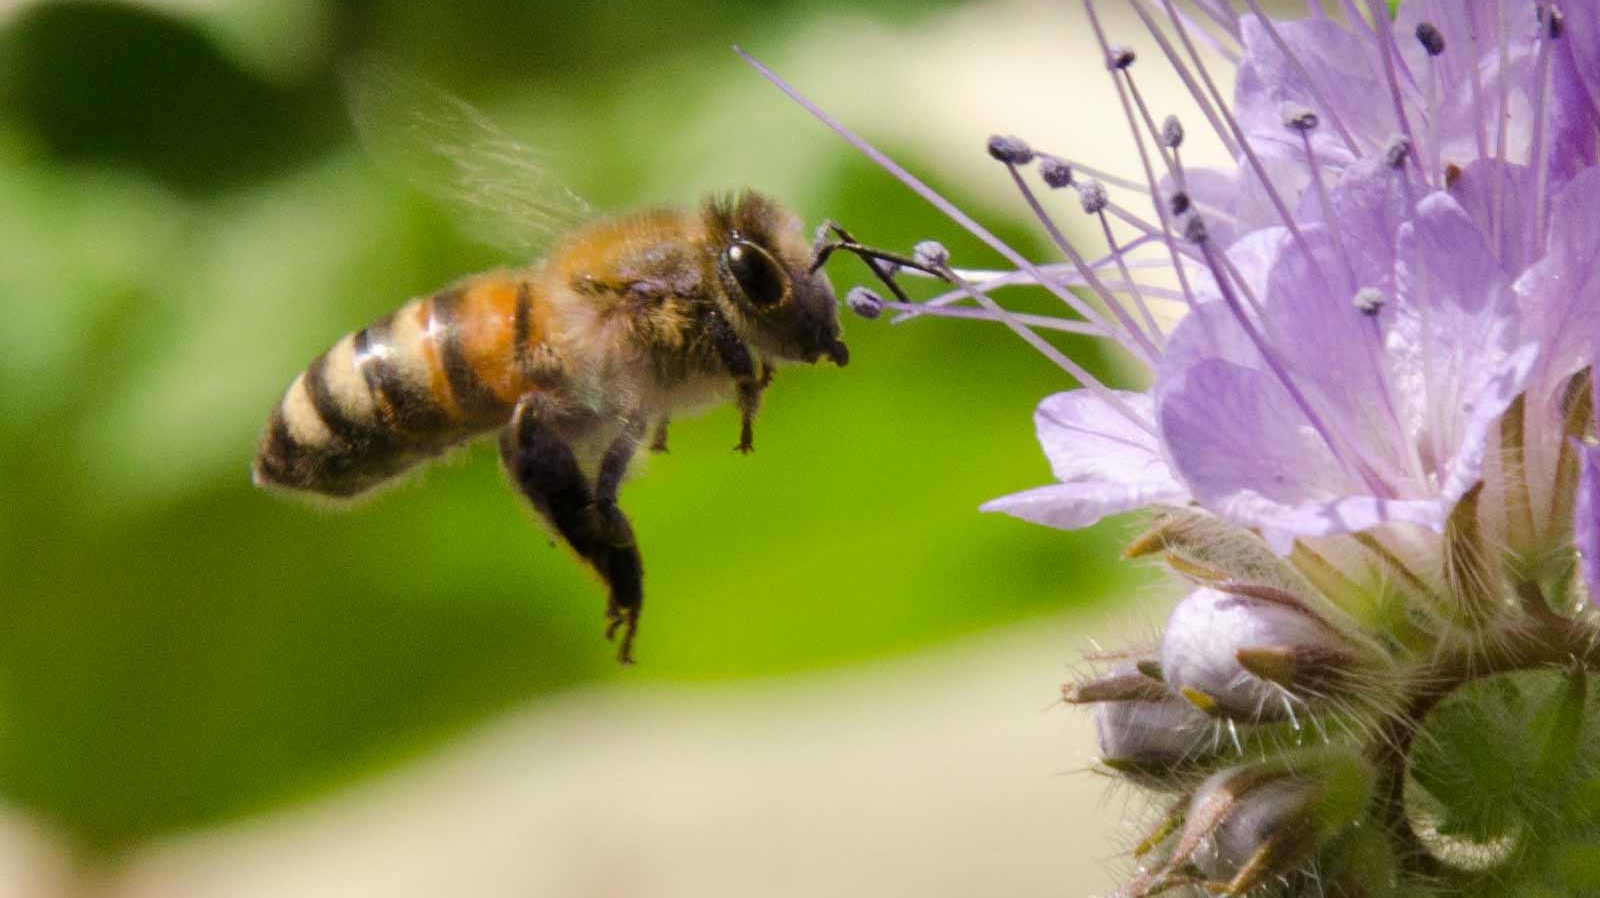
x=186 y=220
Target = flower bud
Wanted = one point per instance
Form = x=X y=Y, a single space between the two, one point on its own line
x=1211 y=550
x=1212 y=636
x=1145 y=731
x=1247 y=825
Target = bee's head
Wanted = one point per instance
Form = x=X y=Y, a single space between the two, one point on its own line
x=769 y=292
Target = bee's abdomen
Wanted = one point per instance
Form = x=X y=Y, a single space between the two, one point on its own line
x=437 y=371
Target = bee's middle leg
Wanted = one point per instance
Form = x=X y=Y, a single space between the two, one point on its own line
x=538 y=456
x=749 y=402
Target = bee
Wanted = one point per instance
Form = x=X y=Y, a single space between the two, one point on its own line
x=573 y=361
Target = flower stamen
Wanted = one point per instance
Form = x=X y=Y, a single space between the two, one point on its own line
x=1145 y=346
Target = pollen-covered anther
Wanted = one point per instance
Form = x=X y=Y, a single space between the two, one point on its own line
x=1397 y=151
x=1179 y=203
x=1092 y=194
x=1551 y=21
x=1429 y=36
x=931 y=254
x=1297 y=117
x=1056 y=172
x=1172 y=132
x=1010 y=149
x=1368 y=301
x=864 y=302
x=1193 y=227
x=1120 y=57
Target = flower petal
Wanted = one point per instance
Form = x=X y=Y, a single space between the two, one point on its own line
x=1245 y=450
x=1458 y=356
x=1107 y=464
x=1560 y=294
x=1586 y=520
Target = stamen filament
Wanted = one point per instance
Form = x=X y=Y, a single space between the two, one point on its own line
x=1270 y=356
x=1055 y=355
x=1478 y=117
x=1127 y=276
x=1323 y=107
x=1144 y=159
x=1182 y=70
x=1503 y=119
x=1250 y=156
x=1541 y=170
x=1387 y=51
x=1063 y=274
x=1046 y=322
x=1148 y=351
x=1220 y=12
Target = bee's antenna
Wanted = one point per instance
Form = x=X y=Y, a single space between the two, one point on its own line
x=883 y=264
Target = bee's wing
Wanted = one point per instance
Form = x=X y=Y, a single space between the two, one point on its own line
x=499 y=190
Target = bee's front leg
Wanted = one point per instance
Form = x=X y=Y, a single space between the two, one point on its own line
x=537 y=451
x=738 y=362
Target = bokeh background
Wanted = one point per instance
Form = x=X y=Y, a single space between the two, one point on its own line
x=848 y=675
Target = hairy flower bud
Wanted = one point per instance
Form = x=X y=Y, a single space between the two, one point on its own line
x=1144 y=730
x=1263 y=820
x=1250 y=824
x=1208 y=631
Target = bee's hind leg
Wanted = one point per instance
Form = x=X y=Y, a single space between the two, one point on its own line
x=540 y=459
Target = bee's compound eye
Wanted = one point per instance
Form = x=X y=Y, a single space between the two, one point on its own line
x=762 y=281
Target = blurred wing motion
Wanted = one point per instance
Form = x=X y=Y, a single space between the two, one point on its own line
x=498 y=189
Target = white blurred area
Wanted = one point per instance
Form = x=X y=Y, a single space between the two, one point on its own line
x=955 y=772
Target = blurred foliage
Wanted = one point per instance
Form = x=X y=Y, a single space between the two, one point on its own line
x=186 y=221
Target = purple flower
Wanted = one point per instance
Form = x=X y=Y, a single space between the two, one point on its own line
x=1404 y=246
x=1370 y=437
x=1391 y=263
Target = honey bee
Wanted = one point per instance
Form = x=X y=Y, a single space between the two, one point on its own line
x=574 y=361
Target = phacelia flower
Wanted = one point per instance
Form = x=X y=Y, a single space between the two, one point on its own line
x=1368 y=441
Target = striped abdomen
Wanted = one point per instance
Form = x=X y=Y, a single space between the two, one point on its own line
x=418 y=381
